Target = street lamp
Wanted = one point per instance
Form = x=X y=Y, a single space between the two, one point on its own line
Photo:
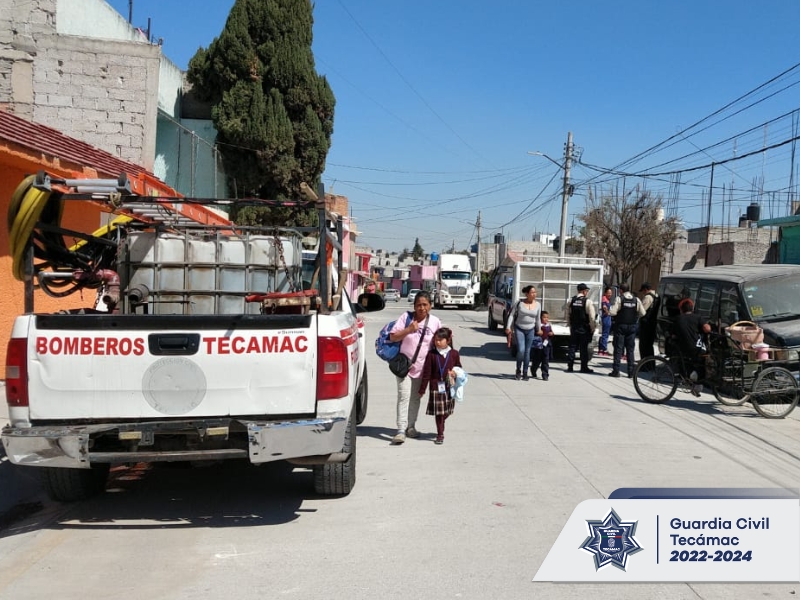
x=566 y=192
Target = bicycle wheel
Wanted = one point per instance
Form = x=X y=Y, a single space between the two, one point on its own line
x=774 y=393
x=655 y=380
x=729 y=384
x=730 y=394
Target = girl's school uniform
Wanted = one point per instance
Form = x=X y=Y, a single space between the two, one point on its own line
x=435 y=373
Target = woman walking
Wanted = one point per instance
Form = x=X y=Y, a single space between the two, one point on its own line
x=525 y=322
x=415 y=341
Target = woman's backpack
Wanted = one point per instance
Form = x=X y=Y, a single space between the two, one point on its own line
x=385 y=348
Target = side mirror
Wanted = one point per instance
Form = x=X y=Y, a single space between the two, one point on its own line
x=370 y=303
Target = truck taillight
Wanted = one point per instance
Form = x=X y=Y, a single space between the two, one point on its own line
x=17 y=372
x=332 y=368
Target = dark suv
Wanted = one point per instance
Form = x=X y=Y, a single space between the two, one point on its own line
x=768 y=295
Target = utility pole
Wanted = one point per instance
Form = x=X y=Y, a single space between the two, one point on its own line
x=565 y=196
x=478 y=254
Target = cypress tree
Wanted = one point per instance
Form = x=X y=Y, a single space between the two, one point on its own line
x=272 y=111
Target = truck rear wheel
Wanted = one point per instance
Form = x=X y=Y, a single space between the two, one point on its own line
x=70 y=485
x=362 y=398
x=338 y=479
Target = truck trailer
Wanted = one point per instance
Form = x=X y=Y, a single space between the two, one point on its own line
x=556 y=280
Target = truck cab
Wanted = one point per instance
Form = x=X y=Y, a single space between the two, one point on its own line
x=455 y=282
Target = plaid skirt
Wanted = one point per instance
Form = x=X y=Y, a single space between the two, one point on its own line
x=440 y=404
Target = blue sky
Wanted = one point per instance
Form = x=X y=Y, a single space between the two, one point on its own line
x=438 y=104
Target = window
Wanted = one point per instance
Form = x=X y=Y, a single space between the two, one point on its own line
x=674 y=292
x=729 y=308
x=774 y=298
x=705 y=300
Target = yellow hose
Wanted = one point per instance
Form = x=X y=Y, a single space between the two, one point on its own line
x=23 y=223
x=16 y=198
x=103 y=231
x=28 y=206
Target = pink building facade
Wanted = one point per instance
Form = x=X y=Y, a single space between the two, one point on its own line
x=422 y=277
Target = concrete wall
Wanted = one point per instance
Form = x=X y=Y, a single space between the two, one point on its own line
x=77 y=66
x=718 y=235
x=738 y=253
x=94 y=19
x=170 y=88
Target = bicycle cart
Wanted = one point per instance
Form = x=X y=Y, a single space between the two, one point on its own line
x=736 y=372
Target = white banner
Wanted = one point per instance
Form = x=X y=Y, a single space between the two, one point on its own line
x=678 y=539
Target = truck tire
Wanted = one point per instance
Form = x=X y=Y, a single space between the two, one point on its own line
x=70 y=485
x=338 y=479
x=362 y=398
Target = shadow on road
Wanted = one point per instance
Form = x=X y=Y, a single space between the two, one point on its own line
x=509 y=375
x=379 y=433
x=706 y=405
x=492 y=350
x=178 y=495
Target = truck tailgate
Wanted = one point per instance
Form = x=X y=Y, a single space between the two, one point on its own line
x=129 y=367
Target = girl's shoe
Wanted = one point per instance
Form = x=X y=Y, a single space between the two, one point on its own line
x=518 y=376
x=439 y=440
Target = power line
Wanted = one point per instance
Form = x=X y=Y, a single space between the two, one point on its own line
x=411 y=87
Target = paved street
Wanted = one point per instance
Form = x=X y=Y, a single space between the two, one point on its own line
x=473 y=518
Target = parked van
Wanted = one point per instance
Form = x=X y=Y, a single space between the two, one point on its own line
x=768 y=295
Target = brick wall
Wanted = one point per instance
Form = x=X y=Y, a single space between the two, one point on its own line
x=103 y=92
x=337 y=204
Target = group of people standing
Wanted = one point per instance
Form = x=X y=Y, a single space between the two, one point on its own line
x=429 y=346
x=628 y=316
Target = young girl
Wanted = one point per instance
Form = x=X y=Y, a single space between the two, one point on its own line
x=438 y=372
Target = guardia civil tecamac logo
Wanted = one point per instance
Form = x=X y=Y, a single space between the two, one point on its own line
x=611 y=541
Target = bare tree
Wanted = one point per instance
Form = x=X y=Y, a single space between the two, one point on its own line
x=627 y=229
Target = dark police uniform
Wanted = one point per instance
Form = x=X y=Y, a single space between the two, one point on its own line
x=580 y=332
x=628 y=310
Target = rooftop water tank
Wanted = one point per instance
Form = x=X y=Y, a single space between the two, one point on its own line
x=753 y=212
x=499 y=239
x=434 y=257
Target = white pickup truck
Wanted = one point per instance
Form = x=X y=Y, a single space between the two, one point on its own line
x=195 y=372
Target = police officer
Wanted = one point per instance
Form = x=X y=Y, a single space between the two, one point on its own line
x=581 y=318
x=626 y=311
